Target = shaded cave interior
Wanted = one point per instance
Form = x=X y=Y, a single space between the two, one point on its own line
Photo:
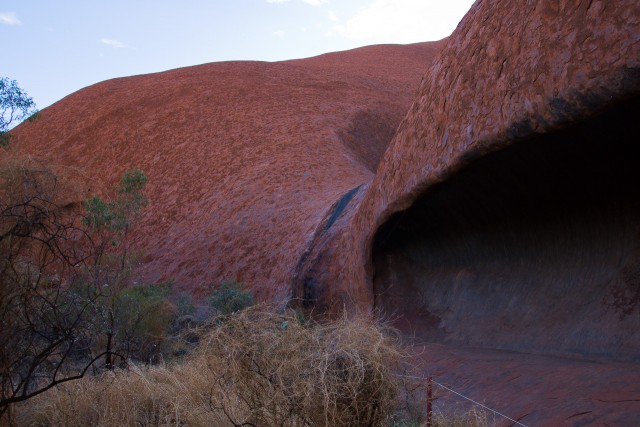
x=534 y=248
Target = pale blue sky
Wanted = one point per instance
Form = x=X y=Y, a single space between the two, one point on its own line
x=55 y=47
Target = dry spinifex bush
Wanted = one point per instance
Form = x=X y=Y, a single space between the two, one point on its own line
x=253 y=368
x=274 y=370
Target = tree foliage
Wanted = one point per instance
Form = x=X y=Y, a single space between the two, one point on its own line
x=15 y=107
x=118 y=215
x=119 y=309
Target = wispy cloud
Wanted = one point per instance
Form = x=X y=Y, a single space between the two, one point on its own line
x=405 y=21
x=311 y=2
x=9 y=18
x=315 y=2
x=116 y=44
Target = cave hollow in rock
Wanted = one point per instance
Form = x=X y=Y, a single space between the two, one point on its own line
x=533 y=248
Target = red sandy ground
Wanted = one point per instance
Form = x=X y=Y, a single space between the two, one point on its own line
x=535 y=390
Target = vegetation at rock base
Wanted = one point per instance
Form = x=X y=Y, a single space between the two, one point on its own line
x=67 y=301
x=255 y=367
x=231 y=297
x=82 y=344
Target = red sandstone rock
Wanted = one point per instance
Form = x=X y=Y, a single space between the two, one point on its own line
x=505 y=214
x=243 y=158
x=506 y=74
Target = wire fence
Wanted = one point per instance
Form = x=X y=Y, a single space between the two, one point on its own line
x=430 y=381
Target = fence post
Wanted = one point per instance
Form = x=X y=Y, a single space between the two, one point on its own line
x=429 y=402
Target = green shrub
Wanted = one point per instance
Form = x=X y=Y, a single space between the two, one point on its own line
x=133 y=322
x=184 y=305
x=231 y=297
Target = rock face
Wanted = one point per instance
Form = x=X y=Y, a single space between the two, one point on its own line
x=505 y=212
x=244 y=158
x=526 y=248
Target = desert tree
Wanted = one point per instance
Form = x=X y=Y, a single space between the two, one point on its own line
x=41 y=247
x=120 y=309
x=66 y=300
x=15 y=107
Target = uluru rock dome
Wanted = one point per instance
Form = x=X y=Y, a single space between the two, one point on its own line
x=244 y=159
x=496 y=208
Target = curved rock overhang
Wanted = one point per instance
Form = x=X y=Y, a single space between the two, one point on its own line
x=534 y=248
x=506 y=212
x=509 y=82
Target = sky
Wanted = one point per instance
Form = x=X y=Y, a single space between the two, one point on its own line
x=56 y=47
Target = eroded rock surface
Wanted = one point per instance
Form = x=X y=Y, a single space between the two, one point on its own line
x=515 y=168
x=526 y=248
x=244 y=158
x=505 y=213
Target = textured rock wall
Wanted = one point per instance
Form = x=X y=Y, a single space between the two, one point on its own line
x=506 y=76
x=526 y=249
x=244 y=158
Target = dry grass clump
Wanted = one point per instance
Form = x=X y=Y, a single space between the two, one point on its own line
x=283 y=372
x=253 y=368
x=154 y=396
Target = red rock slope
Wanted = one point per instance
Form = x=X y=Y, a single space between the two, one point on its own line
x=243 y=158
